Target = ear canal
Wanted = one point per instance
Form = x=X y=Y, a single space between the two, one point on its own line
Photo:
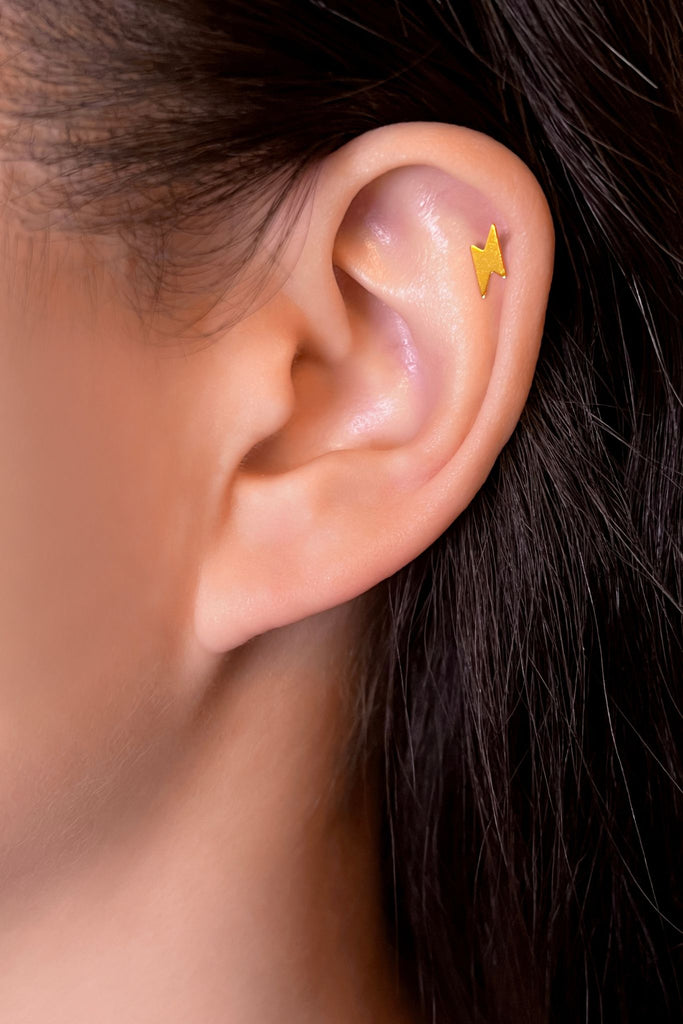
x=375 y=398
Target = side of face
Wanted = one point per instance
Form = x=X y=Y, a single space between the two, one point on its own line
x=163 y=505
x=101 y=470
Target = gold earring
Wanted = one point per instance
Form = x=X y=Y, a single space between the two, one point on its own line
x=488 y=260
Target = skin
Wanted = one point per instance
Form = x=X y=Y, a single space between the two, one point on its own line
x=179 y=841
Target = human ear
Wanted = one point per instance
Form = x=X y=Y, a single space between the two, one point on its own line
x=393 y=384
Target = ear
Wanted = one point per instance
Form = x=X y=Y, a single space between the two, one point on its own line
x=399 y=383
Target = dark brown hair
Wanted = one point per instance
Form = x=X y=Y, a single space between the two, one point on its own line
x=521 y=678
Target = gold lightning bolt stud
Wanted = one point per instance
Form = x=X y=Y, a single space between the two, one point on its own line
x=488 y=260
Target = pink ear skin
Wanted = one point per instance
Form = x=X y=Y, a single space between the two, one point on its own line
x=395 y=386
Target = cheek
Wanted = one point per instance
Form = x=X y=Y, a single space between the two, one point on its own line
x=94 y=562
x=80 y=528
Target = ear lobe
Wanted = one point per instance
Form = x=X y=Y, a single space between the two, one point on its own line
x=404 y=385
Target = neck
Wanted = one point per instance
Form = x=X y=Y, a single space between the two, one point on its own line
x=246 y=890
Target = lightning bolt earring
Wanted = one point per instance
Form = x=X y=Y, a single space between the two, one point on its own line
x=488 y=260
